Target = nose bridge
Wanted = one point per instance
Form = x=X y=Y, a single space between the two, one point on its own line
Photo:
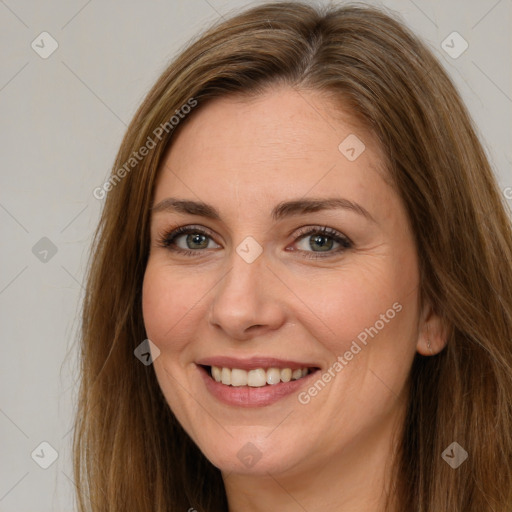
x=241 y=286
x=247 y=268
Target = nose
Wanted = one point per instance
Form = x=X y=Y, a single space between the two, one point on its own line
x=247 y=301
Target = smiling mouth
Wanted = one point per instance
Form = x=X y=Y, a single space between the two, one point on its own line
x=257 y=377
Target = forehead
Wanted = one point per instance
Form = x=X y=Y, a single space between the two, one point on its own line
x=281 y=144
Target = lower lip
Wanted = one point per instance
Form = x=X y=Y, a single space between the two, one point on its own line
x=245 y=396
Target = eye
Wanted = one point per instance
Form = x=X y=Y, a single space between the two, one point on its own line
x=322 y=239
x=187 y=240
x=192 y=240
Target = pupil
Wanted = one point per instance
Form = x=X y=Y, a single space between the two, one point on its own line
x=197 y=238
x=318 y=240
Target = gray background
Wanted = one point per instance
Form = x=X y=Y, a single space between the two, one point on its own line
x=62 y=122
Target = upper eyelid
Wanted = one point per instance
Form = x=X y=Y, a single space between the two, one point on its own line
x=301 y=231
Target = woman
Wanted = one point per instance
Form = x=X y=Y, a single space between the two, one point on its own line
x=374 y=376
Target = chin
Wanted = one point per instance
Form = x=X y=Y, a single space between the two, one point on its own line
x=255 y=455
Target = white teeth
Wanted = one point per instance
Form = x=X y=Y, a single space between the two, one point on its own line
x=297 y=374
x=238 y=377
x=286 y=375
x=273 y=376
x=216 y=373
x=226 y=376
x=256 y=378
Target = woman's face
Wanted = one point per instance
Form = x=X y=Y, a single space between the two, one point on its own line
x=256 y=290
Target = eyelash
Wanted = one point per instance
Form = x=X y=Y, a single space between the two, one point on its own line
x=167 y=238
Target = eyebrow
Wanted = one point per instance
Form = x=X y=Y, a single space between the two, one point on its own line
x=280 y=211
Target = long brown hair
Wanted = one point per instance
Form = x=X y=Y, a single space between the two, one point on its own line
x=130 y=453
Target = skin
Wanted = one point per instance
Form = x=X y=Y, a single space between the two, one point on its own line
x=244 y=156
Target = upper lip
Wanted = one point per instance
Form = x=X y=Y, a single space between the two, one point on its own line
x=252 y=363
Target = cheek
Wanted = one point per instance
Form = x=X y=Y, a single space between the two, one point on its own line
x=371 y=314
x=353 y=300
x=168 y=306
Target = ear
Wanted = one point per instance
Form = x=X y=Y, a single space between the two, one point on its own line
x=432 y=333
